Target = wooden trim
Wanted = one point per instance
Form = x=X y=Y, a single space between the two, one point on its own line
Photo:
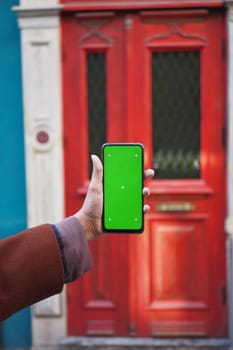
x=136 y=4
x=94 y=15
x=198 y=187
x=174 y=13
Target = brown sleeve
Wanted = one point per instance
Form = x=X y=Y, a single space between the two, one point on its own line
x=30 y=269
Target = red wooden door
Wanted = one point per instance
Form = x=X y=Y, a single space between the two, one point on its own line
x=155 y=78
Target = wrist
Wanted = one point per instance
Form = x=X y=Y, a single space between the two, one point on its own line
x=87 y=226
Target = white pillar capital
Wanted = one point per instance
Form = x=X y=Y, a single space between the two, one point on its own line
x=38 y=16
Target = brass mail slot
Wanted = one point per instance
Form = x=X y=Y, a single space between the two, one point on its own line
x=175 y=207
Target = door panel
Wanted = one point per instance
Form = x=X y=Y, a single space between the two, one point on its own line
x=155 y=77
x=183 y=245
x=178 y=260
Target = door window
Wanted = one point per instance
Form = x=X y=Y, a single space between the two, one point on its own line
x=176 y=114
x=96 y=90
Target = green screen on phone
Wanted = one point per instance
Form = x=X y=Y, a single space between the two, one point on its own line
x=123 y=183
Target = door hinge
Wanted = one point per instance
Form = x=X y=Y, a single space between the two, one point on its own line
x=224 y=137
x=65 y=141
x=223 y=49
x=63 y=54
x=224 y=295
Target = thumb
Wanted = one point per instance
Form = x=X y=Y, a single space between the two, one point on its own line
x=97 y=170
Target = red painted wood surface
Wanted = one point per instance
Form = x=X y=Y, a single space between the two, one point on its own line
x=170 y=280
x=96 y=5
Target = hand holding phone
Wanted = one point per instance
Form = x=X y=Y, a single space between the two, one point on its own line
x=122 y=187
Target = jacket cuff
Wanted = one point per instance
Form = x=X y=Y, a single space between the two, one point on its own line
x=74 y=248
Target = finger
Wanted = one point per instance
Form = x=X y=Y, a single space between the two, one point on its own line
x=146 y=192
x=97 y=171
x=149 y=174
x=146 y=208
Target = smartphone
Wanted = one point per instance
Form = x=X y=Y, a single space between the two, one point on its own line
x=122 y=187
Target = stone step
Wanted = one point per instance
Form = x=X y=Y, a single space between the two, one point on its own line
x=124 y=343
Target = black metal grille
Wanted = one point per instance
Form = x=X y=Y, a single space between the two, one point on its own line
x=176 y=114
x=96 y=86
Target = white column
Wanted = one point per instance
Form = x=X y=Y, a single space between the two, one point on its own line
x=41 y=72
x=229 y=219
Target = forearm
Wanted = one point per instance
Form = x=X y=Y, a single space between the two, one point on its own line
x=36 y=263
x=30 y=269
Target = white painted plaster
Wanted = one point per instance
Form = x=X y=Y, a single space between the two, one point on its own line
x=38 y=3
x=41 y=59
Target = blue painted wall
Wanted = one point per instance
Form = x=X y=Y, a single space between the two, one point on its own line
x=15 y=332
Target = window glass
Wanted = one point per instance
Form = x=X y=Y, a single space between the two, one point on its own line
x=96 y=86
x=176 y=114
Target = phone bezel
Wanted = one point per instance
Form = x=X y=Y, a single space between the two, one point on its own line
x=124 y=230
